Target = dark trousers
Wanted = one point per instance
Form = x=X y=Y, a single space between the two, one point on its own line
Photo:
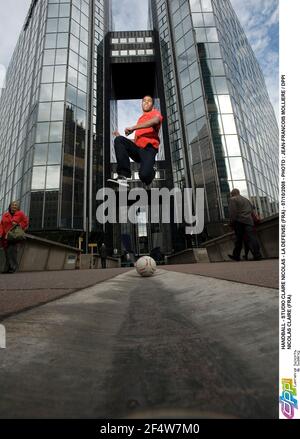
x=11 y=255
x=126 y=149
x=103 y=262
x=245 y=232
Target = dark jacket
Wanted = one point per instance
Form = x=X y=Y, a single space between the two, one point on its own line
x=240 y=209
x=103 y=251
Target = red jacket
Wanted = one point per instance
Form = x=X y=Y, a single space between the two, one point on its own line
x=6 y=224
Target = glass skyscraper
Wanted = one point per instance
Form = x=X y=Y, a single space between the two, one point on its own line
x=59 y=107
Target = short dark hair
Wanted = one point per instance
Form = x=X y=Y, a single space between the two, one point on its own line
x=235 y=192
x=148 y=96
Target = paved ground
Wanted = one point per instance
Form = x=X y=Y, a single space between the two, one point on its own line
x=20 y=291
x=264 y=273
x=174 y=343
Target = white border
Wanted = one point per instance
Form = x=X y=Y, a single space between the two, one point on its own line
x=289 y=66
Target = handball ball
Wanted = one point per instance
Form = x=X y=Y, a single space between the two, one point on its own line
x=145 y=266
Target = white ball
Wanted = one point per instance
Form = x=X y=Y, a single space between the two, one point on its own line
x=145 y=266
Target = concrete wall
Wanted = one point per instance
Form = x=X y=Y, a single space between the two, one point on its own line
x=89 y=261
x=189 y=256
x=38 y=254
x=267 y=234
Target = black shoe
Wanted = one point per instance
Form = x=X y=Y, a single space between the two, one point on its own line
x=234 y=258
x=11 y=270
x=119 y=180
x=257 y=258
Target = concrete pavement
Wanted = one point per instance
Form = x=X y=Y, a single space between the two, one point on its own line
x=174 y=343
x=264 y=273
x=21 y=291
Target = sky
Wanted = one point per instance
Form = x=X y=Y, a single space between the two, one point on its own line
x=259 y=19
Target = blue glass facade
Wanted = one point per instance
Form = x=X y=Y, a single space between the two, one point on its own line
x=219 y=122
x=227 y=132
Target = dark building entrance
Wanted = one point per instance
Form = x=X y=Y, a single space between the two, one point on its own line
x=132 y=72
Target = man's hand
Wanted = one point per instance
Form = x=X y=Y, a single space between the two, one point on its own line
x=129 y=131
x=14 y=223
x=116 y=133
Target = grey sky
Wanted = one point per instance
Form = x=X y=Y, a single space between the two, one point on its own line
x=12 y=17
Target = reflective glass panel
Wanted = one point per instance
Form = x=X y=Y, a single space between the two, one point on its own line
x=64 y=10
x=44 y=112
x=221 y=85
x=75 y=28
x=53 y=177
x=54 y=153
x=209 y=19
x=63 y=25
x=225 y=104
x=237 y=168
x=47 y=74
x=46 y=92
x=57 y=111
x=229 y=124
x=42 y=132
x=52 y=24
x=50 y=42
x=62 y=40
x=71 y=94
x=61 y=56
x=206 y=5
x=233 y=146
x=214 y=50
x=81 y=100
x=72 y=76
x=82 y=66
x=59 y=92
x=197 y=20
x=195 y=5
x=38 y=177
x=40 y=154
x=56 y=129
x=53 y=10
x=73 y=59
x=82 y=82
x=60 y=74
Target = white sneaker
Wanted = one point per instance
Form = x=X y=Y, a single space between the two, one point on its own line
x=119 y=180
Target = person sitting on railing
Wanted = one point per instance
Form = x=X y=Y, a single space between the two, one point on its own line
x=12 y=226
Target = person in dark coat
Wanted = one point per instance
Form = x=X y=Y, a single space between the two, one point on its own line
x=14 y=216
x=103 y=254
x=241 y=219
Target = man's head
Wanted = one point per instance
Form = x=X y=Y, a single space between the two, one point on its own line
x=14 y=206
x=234 y=192
x=147 y=103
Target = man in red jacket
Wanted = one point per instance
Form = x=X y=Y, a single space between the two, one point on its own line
x=144 y=148
x=10 y=219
